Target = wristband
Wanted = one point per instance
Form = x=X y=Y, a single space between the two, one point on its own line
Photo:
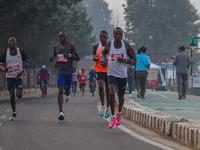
x=103 y=61
x=126 y=62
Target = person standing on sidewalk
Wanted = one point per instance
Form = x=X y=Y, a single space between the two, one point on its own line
x=102 y=78
x=65 y=52
x=117 y=52
x=12 y=60
x=182 y=62
x=142 y=67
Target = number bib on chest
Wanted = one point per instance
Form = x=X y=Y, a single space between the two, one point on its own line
x=13 y=68
x=61 y=58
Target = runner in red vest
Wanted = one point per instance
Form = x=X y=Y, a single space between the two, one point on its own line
x=83 y=81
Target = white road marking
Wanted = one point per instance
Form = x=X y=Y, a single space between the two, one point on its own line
x=3 y=117
x=123 y=128
x=21 y=103
x=8 y=110
x=164 y=96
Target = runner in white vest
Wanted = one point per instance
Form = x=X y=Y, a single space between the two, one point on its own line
x=119 y=54
x=12 y=60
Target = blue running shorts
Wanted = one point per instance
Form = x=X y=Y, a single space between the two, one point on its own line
x=64 y=80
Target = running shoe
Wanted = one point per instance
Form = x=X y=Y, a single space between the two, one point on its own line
x=107 y=115
x=119 y=118
x=102 y=112
x=13 y=117
x=66 y=98
x=61 y=116
x=112 y=123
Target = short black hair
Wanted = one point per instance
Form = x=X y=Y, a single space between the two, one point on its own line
x=143 y=49
x=103 y=31
x=117 y=28
x=139 y=51
x=182 y=48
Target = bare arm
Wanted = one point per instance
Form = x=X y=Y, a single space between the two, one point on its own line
x=76 y=56
x=94 y=52
x=131 y=54
x=53 y=56
x=104 y=53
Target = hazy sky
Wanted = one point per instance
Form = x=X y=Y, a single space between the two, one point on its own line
x=116 y=6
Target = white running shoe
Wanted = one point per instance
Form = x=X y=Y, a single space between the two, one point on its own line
x=61 y=116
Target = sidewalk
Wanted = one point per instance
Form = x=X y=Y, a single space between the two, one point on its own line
x=162 y=112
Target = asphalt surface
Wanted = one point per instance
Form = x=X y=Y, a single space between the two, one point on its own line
x=37 y=128
x=168 y=102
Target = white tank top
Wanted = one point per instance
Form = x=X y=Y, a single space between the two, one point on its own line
x=13 y=63
x=115 y=68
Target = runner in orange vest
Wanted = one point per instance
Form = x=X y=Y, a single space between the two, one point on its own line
x=102 y=73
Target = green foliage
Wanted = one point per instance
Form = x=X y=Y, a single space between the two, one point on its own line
x=160 y=25
x=100 y=16
x=36 y=26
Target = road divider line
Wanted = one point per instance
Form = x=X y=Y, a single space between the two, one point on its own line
x=163 y=96
x=142 y=138
x=3 y=117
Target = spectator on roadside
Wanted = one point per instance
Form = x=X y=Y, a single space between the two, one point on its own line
x=182 y=62
x=142 y=67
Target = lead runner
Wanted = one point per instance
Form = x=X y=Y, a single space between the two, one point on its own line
x=119 y=54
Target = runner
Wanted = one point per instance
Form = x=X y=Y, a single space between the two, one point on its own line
x=118 y=52
x=12 y=60
x=92 y=76
x=74 y=81
x=102 y=78
x=82 y=81
x=44 y=75
x=65 y=52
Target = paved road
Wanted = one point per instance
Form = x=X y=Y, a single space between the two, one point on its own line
x=167 y=102
x=37 y=128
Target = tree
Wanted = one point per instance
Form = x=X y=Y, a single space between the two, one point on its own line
x=36 y=25
x=100 y=16
x=160 y=25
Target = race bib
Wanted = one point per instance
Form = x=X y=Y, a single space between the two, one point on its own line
x=14 y=68
x=115 y=56
x=82 y=78
x=61 y=58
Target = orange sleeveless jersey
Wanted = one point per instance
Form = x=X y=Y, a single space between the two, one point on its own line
x=99 y=67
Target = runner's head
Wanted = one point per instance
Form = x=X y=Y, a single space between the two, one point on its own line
x=82 y=71
x=103 y=36
x=63 y=36
x=118 y=34
x=12 y=42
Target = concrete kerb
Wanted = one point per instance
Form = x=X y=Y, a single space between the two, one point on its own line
x=179 y=129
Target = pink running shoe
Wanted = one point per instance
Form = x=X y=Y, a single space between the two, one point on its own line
x=119 y=118
x=112 y=123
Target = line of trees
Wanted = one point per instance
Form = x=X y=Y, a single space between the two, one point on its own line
x=36 y=25
x=160 y=25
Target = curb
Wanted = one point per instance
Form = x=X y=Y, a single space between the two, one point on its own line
x=179 y=130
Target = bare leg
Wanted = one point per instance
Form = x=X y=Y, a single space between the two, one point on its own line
x=60 y=97
x=121 y=99
x=112 y=98
x=12 y=99
x=101 y=91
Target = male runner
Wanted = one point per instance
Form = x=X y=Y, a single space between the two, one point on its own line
x=65 y=52
x=118 y=52
x=12 y=60
x=82 y=81
x=102 y=78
